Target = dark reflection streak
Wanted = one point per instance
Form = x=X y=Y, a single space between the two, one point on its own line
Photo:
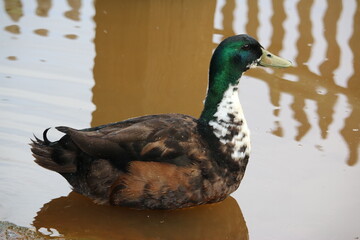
x=298 y=107
x=276 y=45
x=326 y=102
x=253 y=21
x=77 y=217
x=14 y=9
x=306 y=38
x=228 y=17
x=349 y=132
x=277 y=20
x=43 y=7
x=74 y=13
x=14 y=29
x=278 y=130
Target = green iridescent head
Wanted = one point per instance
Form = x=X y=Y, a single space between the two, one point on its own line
x=231 y=58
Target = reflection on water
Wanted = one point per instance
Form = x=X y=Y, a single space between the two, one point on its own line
x=147 y=62
x=13 y=29
x=318 y=84
x=75 y=216
x=42 y=32
x=14 y=9
x=43 y=8
x=45 y=80
x=74 y=13
x=322 y=84
x=153 y=57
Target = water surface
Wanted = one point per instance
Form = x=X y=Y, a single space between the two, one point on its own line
x=81 y=64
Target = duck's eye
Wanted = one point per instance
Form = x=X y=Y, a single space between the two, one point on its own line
x=246 y=47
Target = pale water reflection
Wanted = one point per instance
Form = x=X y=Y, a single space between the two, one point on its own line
x=45 y=79
x=152 y=57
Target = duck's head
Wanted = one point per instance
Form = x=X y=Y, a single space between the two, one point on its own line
x=231 y=58
x=236 y=54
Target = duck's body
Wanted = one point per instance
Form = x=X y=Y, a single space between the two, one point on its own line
x=165 y=161
x=157 y=161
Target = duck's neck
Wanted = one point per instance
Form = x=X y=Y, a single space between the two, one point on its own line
x=217 y=105
x=224 y=115
x=223 y=79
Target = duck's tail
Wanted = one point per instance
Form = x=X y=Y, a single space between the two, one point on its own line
x=65 y=157
x=55 y=156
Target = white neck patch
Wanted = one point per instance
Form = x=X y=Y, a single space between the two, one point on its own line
x=230 y=125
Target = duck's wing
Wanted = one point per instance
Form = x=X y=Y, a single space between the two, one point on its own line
x=161 y=138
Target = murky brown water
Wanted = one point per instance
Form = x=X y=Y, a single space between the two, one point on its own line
x=82 y=64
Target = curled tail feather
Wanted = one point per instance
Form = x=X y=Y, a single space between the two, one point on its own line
x=52 y=155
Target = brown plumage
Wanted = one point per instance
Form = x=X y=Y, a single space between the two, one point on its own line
x=156 y=162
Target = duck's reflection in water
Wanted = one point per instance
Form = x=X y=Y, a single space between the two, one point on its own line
x=75 y=216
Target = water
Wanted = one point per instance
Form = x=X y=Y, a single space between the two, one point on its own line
x=80 y=64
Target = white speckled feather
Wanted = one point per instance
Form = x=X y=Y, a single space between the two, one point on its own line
x=230 y=105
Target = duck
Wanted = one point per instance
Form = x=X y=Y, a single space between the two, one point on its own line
x=166 y=161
